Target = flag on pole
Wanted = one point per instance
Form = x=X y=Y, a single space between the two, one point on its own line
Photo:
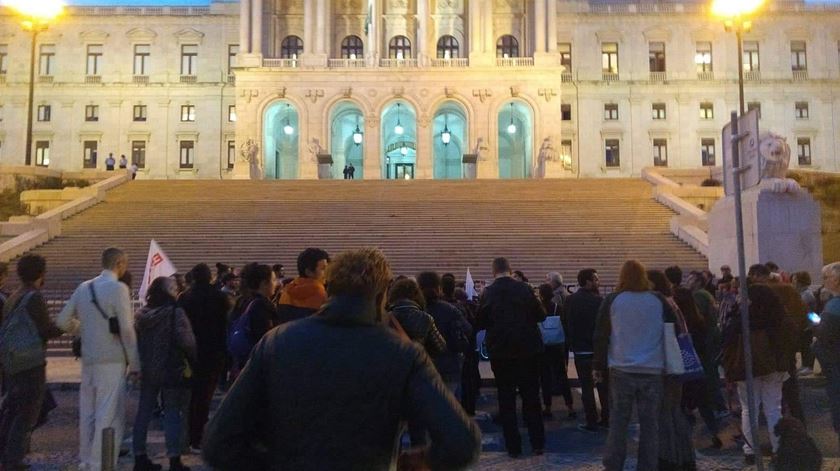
x=157 y=264
x=470 y=286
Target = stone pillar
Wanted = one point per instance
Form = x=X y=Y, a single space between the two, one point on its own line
x=256 y=26
x=551 y=16
x=422 y=31
x=372 y=149
x=424 y=148
x=320 y=27
x=308 y=27
x=539 y=21
x=372 y=45
x=244 y=26
x=474 y=28
x=489 y=34
x=482 y=53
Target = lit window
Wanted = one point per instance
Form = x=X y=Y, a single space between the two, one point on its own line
x=798 y=55
x=801 y=110
x=94 y=59
x=42 y=153
x=448 y=47
x=232 y=113
x=611 y=111
x=707 y=111
x=44 y=112
x=399 y=47
x=659 y=110
x=751 y=60
x=189 y=59
x=46 y=62
x=188 y=113
x=660 y=152
x=609 y=58
x=91 y=113
x=142 y=54
x=703 y=57
x=139 y=114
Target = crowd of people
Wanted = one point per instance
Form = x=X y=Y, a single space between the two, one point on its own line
x=328 y=369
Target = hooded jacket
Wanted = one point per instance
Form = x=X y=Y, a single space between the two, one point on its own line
x=155 y=343
x=302 y=298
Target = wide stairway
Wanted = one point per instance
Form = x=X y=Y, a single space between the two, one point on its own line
x=448 y=226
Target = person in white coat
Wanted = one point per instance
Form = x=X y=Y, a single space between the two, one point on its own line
x=100 y=312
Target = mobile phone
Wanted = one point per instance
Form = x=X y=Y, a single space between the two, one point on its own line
x=814 y=317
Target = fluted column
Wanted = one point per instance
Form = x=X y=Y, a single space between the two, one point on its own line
x=256 y=26
x=321 y=27
x=372 y=45
x=551 y=15
x=422 y=30
x=309 y=27
x=474 y=22
x=244 y=26
x=540 y=22
x=489 y=35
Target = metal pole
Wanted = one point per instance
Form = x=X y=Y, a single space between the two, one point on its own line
x=31 y=103
x=743 y=303
x=108 y=438
x=740 y=70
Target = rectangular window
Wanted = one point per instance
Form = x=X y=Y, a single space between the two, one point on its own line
x=187 y=154
x=801 y=110
x=803 y=150
x=94 y=59
x=232 y=113
x=611 y=151
x=566 y=153
x=89 y=149
x=91 y=113
x=707 y=152
x=189 y=59
x=754 y=105
x=565 y=50
x=188 y=113
x=707 y=111
x=138 y=153
x=659 y=111
x=751 y=61
x=44 y=113
x=233 y=50
x=611 y=111
x=46 y=62
x=4 y=58
x=703 y=57
x=231 y=154
x=42 y=153
x=566 y=112
x=609 y=58
x=142 y=59
x=139 y=113
x=660 y=152
x=798 y=55
x=656 y=55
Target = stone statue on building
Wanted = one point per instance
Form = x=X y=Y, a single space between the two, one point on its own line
x=480 y=149
x=547 y=154
x=315 y=148
x=774 y=157
x=250 y=153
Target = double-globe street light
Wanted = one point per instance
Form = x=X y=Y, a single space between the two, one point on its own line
x=35 y=17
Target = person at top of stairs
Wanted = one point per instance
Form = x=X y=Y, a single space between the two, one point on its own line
x=305 y=295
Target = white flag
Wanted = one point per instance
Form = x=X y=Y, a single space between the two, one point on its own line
x=157 y=264
x=470 y=286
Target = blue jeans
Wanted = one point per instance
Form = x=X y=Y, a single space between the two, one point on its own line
x=174 y=404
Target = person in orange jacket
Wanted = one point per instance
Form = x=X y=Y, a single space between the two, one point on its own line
x=306 y=293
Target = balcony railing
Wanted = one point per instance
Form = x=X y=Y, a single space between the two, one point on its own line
x=708 y=75
x=752 y=75
x=398 y=63
x=93 y=79
x=188 y=79
x=800 y=75
x=45 y=78
x=657 y=76
x=346 y=63
x=281 y=63
x=456 y=62
x=515 y=61
x=566 y=77
x=140 y=79
x=609 y=76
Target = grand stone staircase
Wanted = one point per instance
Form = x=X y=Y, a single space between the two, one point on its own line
x=541 y=226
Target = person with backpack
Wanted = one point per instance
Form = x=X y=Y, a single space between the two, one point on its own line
x=253 y=315
x=24 y=332
x=454 y=327
x=167 y=352
x=554 y=357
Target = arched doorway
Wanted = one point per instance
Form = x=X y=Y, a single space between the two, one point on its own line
x=281 y=128
x=516 y=140
x=399 y=141
x=449 y=136
x=347 y=139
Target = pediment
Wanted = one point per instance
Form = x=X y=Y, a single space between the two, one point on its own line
x=609 y=36
x=657 y=33
x=189 y=35
x=141 y=34
x=703 y=34
x=93 y=35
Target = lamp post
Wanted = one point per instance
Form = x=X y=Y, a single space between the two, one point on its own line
x=35 y=18
x=736 y=18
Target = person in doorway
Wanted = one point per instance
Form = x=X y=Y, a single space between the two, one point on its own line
x=352 y=170
x=346 y=172
x=110 y=162
x=306 y=294
x=123 y=162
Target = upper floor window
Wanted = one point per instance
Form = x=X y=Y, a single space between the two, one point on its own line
x=4 y=58
x=94 y=59
x=44 y=113
x=659 y=110
x=798 y=55
x=448 y=48
x=751 y=59
x=565 y=50
x=232 y=113
x=352 y=47
x=233 y=50
x=291 y=47
x=656 y=56
x=703 y=57
x=189 y=59
x=803 y=150
x=707 y=152
x=801 y=110
x=611 y=111
x=91 y=113
x=188 y=113
x=139 y=113
x=707 y=110
x=507 y=46
x=399 y=48
x=754 y=105
x=609 y=58
x=142 y=55
x=566 y=112
x=46 y=62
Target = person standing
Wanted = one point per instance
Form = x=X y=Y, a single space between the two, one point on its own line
x=167 y=347
x=554 y=359
x=827 y=344
x=352 y=172
x=123 y=162
x=255 y=303
x=802 y=282
x=509 y=311
x=346 y=172
x=470 y=375
x=306 y=294
x=101 y=310
x=207 y=310
x=24 y=389
x=629 y=347
x=581 y=314
x=110 y=162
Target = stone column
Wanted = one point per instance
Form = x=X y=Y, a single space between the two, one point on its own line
x=424 y=148
x=422 y=31
x=308 y=27
x=244 y=26
x=489 y=34
x=373 y=149
x=372 y=44
x=256 y=26
x=474 y=24
x=551 y=15
x=320 y=27
x=539 y=26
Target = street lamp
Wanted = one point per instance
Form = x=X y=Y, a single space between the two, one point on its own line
x=511 y=129
x=736 y=18
x=357 y=134
x=288 y=129
x=446 y=135
x=35 y=17
x=398 y=129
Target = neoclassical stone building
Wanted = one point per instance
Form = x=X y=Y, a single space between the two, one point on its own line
x=404 y=88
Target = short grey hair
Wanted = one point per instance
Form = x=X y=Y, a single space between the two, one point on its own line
x=833 y=268
x=554 y=278
x=111 y=257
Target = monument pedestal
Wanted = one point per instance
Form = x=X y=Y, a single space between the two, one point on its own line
x=780 y=227
x=470 y=163
x=325 y=162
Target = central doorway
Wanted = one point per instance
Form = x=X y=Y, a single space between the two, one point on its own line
x=399 y=140
x=403 y=172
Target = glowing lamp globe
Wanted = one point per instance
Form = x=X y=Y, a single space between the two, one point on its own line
x=404 y=151
x=511 y=129
x=37 y=11
x=288 y=129
x=357 y=136
x=735 y=8
x=446 y=137
x=399 y=130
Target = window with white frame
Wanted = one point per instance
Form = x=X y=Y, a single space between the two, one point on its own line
x=751 y=57
x=656 y=56
x=189 y=59
x=611 y=111
x=707 y=110
x=609 y=58
x=187 y=159
x=232 y=113
x=612 y=156
x=659 y=111
x=707 y=151
x=42 y=153
x=231 y=154
x=703 y=57
x=803 y=150
x=46 y=60
x=94 y=59
x=44 y=113
x=142 y=59
x=139 y=113
x=91 y=113
x=798 y=55
x=660 y=152
x=801 y=110
x=188 y=113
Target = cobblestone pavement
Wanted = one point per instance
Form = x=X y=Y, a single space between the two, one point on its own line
x=54 y=446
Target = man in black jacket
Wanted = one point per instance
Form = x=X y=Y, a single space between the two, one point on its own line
x=509 y=311
x=581 y=314
x=344 y=384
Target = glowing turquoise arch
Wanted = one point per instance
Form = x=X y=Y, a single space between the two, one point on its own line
x=281 y=131
x=516 y=139
x=452 y=118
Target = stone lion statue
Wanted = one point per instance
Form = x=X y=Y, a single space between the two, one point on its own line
x=774 y=157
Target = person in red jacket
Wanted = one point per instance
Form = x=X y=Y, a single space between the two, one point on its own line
x=306 y=294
